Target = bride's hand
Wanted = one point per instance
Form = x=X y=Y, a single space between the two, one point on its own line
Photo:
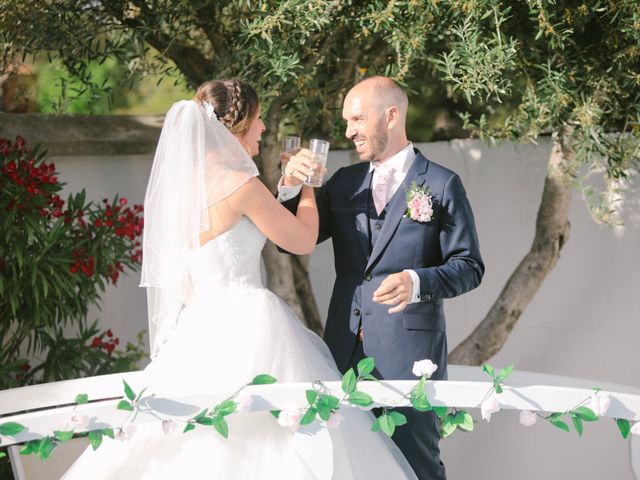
x=297 y=168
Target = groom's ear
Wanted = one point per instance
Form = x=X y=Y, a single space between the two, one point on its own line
x=392 y=116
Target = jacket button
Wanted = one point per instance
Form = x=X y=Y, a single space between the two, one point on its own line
x=368 y=277
x=356 y=312
x=378 y=226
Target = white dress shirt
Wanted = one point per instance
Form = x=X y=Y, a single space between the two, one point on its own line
x=400 y=164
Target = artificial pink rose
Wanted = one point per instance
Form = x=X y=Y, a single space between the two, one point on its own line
x=79 y=421
x=334 y=420
x=528 y=418
x=290 y=419
x=424 y=367
x=489 y=407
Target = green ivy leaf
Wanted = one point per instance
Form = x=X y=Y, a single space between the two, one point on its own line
x=82 y=398
x=208 y=421
x=45 y=447
x=188 y=427
x=560 y=424
x=448 y=427
x=263 y=379
x=386 y=424
x=419 y=399
x=225 y=408
x=109 y=433
x=275 y=413
x=221 y=426
x=324 y=412
x=376 y=425
x=496 y=386
x=63 y=436
x=504 y=373
x=361 y=399
x=488 y=368
x=398 y=418
x=624 y=426
x=577 y=423
x=349 y=381
x=467 y=421
x=10 y=429
x=128 y=391
x=312 y=395
x=95 y=438
x=366 y=366
x=202 y=414
x=309 y=416
x=2 y=454
x=586 y=414
x=139 y=396
x=124 y=405
x=329 y=400
x=441 y=412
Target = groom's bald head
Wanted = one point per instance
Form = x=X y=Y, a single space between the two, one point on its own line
x=375 y=110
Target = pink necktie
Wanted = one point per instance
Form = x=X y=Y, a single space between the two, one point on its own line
x=382 y=186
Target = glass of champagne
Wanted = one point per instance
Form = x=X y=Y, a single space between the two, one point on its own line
x=320 y=149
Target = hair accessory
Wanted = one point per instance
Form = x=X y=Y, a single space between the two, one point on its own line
x=211 y=113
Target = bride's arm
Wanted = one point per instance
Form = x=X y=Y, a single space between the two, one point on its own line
x=295 y=233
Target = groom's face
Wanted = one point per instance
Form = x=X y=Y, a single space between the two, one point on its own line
x=366 y=125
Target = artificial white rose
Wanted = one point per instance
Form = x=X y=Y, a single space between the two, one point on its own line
x=489 y=407
x=79 y=421
x=600 y=402
x=528 y=418
x=424 y=367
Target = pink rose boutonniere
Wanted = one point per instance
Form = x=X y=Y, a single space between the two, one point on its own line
x=419 y=204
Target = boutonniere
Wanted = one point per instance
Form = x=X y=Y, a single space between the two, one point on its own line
x=419 y=204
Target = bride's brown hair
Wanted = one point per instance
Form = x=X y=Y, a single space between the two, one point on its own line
x=235 y=103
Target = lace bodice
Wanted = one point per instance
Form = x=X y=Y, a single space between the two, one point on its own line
x=231 y=260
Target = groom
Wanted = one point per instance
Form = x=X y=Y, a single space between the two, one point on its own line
x=394 y=262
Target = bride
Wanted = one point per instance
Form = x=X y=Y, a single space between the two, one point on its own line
x=207 y=217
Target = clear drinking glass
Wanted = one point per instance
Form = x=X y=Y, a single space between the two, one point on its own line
x=320 y=148
x=291 y=145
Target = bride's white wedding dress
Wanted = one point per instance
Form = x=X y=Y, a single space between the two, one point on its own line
x=233 y=329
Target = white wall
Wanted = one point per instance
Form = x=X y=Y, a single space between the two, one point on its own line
x=582 y=323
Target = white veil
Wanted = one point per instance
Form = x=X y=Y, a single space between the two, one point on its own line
x=198 y=162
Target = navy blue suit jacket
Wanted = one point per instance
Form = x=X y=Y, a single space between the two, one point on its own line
x=444 y=252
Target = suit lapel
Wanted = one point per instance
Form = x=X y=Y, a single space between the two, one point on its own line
x=397 y=206
x=361 y=198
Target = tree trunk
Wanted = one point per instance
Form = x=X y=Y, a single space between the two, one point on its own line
x=287 y=275
x=552 y=231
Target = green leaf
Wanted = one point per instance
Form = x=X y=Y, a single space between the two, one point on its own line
x=376 y=425
x=448 y=427
x=324 y=412
x=124 y=405
x=2 y=454
x=226 y=408
x=361 y=399
x=577 y=423
x=329 y=400
x=349 y=381
x=467 y=422
x=128 y=391
x=488 y=368
x=9 y=429
x=366 y=366
x=312 y=395
x=82 y=398
x=624 y=426
x=188 y=427
x=139 y=396
x=586 y=414
x=419 y=399
x=398 y=418
x=208 y=421
x=221 y=426
x=309 y=416
x=496 y=385
x=263 y=379
x=441 y=412
x=30 y=447
x=275 y=413
x=560 y=424
x=202 y=414
x=108 y=432
x=387 y=425
x=45 y=447
x=95 y=438
x=504 y=373
x=63 y=436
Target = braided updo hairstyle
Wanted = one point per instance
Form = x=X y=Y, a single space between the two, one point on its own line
x=235 y=102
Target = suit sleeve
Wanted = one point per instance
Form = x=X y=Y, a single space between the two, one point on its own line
x=462 y=267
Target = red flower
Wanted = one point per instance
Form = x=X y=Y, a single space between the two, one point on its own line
x=123 y=201
x=109 y=333
x=96 y=343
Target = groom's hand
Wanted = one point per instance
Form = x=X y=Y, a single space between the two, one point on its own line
x=396 y=290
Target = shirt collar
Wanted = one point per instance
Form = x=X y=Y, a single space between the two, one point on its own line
x=400 y=162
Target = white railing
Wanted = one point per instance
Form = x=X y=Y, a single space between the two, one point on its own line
x=45 y=408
